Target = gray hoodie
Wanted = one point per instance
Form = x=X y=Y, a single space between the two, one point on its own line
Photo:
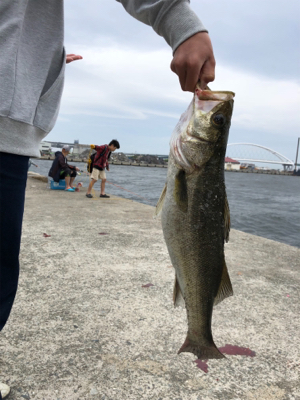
x=32 y=61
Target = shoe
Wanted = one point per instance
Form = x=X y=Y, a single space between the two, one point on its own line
x=89 y=195
x=4 y=389
x=70 y=190
x=104 y=195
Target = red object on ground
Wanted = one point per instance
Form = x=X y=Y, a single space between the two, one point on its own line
x=236 y=351
x=230 y=350
x=202 y=365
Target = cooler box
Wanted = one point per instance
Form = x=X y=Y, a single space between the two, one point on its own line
x=61 y=185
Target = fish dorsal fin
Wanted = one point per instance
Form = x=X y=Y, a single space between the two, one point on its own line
x=180 y=191
x=160 y=202
x=178 y=299
x=225 y=288
x=226 y=220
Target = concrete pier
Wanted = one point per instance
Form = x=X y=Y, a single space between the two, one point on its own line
x=87 y=324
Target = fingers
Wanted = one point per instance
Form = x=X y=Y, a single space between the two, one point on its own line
x=179 y=68
x=194 y=60
x=72 y=57
x=207 y=73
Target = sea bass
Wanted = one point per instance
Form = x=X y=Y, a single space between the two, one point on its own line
x=195 y=214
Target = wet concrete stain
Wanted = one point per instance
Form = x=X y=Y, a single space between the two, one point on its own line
x=228 y=349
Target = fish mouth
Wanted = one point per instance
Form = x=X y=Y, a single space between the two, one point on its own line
x=213 y=95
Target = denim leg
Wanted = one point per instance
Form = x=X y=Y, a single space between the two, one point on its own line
x=13 y=176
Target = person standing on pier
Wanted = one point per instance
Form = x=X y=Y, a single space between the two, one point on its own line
x=100 y=164
x=32 y=68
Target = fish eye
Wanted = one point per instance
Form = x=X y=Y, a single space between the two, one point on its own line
x=218 y=119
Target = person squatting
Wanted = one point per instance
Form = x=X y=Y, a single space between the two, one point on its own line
x=60 y=169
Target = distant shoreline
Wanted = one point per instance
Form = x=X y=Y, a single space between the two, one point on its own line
x=128 y=164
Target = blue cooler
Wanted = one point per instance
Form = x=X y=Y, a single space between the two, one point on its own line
x=61 y=185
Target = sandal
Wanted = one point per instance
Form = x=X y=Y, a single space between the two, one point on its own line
x=70 y=190
x=104 y=195
x=89 y=195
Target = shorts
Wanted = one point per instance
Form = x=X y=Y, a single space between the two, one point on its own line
x=97 y=174
x=67 y=172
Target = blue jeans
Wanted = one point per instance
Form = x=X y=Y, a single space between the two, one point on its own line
x=13 y=176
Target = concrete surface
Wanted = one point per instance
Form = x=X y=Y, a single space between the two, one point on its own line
x=84 y=327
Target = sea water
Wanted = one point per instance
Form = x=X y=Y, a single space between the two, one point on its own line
x=261 y=204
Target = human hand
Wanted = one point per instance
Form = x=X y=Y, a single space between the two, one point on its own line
x=92 y=146
x=77 y=169
x=194 y=60
x=72 y=57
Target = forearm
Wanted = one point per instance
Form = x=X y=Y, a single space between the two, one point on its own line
x=172 y=19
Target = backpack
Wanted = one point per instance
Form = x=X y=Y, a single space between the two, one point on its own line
x=91 y=160
x=90 y=163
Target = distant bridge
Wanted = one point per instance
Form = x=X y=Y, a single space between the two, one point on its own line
x=260 y=157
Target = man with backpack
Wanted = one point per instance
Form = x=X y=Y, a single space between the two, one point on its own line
x=99 y=163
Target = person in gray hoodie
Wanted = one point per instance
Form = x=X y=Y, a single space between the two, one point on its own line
x=32 y=66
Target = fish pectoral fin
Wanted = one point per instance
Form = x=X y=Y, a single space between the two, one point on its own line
x=178 y=299
x=226 y=220
x=225 y=288
x=180 y=191
x=160 y=202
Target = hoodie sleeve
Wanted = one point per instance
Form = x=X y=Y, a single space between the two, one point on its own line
x=174 y=20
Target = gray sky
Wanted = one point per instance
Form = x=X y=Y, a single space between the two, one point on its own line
x=124 y=89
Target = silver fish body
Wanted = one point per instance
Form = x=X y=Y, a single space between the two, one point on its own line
x=195 y=215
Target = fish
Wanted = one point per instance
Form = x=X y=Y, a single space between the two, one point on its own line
x=195 y=215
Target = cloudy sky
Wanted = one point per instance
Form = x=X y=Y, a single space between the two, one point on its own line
x=124 y=89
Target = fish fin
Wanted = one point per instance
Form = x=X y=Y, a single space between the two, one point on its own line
x=178 y=299
x=202 y=352
x=226 y=220
x=225 y=288
x=160 y=202
x=180 y=191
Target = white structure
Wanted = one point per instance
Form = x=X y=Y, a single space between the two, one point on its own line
x=279 y=158
x=45 y=148
x=231 y=164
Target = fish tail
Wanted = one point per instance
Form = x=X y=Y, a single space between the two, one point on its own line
x=202 y=352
